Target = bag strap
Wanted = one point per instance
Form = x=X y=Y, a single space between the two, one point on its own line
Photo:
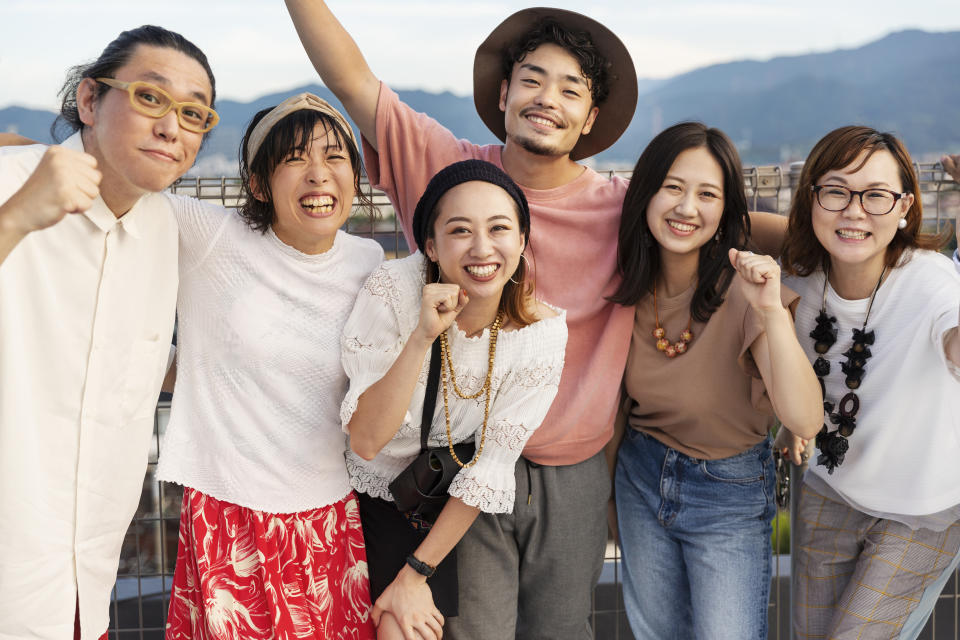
x=430 y=397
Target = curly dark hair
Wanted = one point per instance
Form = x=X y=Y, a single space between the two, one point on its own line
x=579 y=44
x=115 y=55
x=638 y=253
x=293 y=134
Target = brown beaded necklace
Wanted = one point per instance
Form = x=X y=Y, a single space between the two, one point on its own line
x=447 y=365
x=660 y=335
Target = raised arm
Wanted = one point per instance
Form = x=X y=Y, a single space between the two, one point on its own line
x=339 y=62
x=65 y=181
x=787 y=375
x=381 y=408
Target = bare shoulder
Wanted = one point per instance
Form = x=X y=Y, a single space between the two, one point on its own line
x=535 y=311
x=543 y=311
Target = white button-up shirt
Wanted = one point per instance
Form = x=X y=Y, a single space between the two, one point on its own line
x=86 y=318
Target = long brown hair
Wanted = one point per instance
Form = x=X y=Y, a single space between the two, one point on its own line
x=802 y=252
x=638 y=253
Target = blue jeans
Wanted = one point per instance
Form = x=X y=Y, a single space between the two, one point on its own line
x=695 y=537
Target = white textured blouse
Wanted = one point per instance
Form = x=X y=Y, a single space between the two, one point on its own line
x=86 y=316
x=255 y=416
x=525 y=376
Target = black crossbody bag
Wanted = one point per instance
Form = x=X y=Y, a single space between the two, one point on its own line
x=421 y=488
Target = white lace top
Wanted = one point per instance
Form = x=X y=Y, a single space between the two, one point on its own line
x=259 y=383
x=524 y=382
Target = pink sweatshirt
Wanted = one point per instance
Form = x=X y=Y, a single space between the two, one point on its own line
x=573 y=244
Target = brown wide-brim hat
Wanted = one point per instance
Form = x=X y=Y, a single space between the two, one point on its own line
x=615 y=112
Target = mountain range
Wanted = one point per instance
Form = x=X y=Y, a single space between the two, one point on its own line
x=907 y=82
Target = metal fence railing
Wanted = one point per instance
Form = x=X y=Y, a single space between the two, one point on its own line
x=140 y=601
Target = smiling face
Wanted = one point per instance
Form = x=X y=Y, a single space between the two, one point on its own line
x=852 y=237
x=313 y=193
x=139 y=154
x=685 y=212
x=477 y=240
x=546 y=102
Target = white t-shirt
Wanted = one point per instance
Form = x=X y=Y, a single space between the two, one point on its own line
x=255 y=416
x=526 y=373
x=903 y=455
x=86 y=317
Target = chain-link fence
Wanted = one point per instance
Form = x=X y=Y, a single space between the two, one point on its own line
x=141 y=595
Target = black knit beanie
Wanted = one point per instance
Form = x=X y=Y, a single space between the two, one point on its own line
x=458 y=173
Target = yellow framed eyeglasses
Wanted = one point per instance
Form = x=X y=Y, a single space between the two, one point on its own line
x=151 y=100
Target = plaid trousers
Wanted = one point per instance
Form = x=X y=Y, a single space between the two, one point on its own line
x=858 y=576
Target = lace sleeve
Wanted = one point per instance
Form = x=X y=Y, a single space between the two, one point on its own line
x=521 y=403
x=371 y=339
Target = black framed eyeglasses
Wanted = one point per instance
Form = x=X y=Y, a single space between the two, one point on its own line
x=876 y=202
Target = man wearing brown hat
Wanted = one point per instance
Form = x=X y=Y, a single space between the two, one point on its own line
x=556 y=87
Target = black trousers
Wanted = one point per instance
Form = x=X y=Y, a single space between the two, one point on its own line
x=389 y=539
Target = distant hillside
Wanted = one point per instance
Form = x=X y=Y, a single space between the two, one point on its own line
x=907 y=82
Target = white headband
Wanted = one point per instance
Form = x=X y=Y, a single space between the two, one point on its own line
x=285 y=108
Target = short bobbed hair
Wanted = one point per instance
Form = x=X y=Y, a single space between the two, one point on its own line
x=291 y=135
x=802 y=252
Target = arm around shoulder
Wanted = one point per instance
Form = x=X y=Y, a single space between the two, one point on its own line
x=13 y=139
x=768 y=231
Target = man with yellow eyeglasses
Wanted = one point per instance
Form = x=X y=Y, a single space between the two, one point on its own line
x=88 y=286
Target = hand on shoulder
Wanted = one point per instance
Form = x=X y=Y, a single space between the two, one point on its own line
x=951 y=164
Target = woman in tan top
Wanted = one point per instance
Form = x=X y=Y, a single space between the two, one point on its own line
x=713 y=352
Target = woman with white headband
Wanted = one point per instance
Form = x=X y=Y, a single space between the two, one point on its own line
x=270 y=538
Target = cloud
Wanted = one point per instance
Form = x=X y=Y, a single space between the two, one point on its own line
x=254 y=49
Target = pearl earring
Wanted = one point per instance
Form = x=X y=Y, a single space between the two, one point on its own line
x=902 y=223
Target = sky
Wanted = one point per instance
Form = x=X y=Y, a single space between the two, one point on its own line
x=254 y=50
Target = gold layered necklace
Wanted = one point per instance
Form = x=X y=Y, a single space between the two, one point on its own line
x=447 y=365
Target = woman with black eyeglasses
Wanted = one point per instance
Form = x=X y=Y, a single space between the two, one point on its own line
x=878 y=528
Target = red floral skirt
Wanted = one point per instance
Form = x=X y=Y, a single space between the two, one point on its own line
x=247 y=575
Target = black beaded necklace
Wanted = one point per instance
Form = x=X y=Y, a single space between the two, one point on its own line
x=833 y=445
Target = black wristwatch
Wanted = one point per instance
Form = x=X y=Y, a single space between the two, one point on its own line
x=420 y=566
